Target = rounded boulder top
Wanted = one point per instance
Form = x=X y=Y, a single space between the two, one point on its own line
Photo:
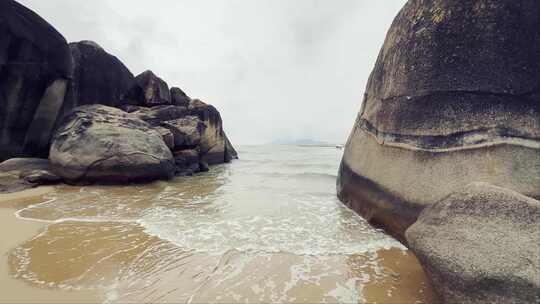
x=451 y=67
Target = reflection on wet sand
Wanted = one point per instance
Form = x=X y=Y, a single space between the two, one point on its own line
x=14 y=232
x=395 y=278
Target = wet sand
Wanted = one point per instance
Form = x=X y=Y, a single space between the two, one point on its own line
x=120 y=263
x=15 y=231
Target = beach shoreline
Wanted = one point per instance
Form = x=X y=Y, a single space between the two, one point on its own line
x=404 y=279
x=16 y=232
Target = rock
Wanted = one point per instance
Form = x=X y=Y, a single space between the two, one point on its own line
x=454 y=98
x=187 y=162
x=11 y=184
x=130 y=108
x=35 y=68
x=149 y=90
x=230 y=152
x=179 y=98
x=186 y=157
x=40 y=177
x=18 y=165
x=481 y=245
x=203 y=167
x=187 y=131
x=156 y=115
x=13 y=173
x=212 y=145
x=101 y=144
x=167 y=136
x=98 y=78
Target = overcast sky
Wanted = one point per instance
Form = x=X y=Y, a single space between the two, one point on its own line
x=276 y=69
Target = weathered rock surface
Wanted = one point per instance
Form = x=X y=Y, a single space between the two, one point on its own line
x=454 y=98
x=98 y=77
x=42 y=80
x=213 y=140
x=35 y=68
x=102 y=144
x=18 y=165
x=481 y=245
x=230 y=152
x=167 y=136
x=40 y=177
x=149 y=90
x=187 y=162
x=156 y=115
x=18 y=174
x=179 y=98
x=187 y=131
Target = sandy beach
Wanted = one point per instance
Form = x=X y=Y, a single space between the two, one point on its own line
x=396 y=278
x=15 y=231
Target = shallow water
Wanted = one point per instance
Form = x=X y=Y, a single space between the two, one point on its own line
x=266 y=228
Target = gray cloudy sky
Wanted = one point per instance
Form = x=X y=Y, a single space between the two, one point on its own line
x=276 y=69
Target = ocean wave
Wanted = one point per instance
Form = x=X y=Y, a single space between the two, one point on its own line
x=321 y=232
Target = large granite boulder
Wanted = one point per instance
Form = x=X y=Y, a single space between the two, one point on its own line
x=35 y=68
x=481 y=245
x=101 y=144
x=98 y=78
x=148 y=90
x=213 y=143
x=454 y=98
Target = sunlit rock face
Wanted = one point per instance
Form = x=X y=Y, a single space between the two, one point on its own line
x=454 y=98
x=35 y=68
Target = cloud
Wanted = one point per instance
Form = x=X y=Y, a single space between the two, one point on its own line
x=274 y=68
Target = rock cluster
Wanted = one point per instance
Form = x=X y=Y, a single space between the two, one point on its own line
x=82 y=107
